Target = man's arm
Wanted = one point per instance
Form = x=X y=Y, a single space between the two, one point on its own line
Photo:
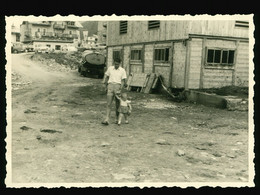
x=105 y=80
x=124 y=84
x=106 y=76
x=130 y=107
x=124 y=78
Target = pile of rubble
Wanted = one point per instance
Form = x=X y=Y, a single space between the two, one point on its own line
x=62 y=62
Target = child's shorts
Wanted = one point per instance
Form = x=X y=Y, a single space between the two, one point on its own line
x=123 y=109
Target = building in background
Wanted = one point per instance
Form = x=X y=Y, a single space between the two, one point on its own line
x=53 y=34
x=91 y=36
x=15 y=34
x=102 y=32
x=188 y=54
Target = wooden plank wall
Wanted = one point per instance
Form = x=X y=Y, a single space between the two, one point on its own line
x=225 y=44
x=126 y=53
x=137 y=32
x=242 y=64
x=218 y=77
x=148 y=57
x=163 y=69
x=195 y=63
x=179 y=56
x=109 y=56
x=135 y=67
x=210 y=77
x=164 y=72
x=217 y=28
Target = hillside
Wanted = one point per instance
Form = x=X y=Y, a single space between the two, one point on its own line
x=91 y=26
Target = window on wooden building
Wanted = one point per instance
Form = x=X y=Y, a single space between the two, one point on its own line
x=161 y=55
x=136 y=55
x=243 y=24
x=116 y=54
x=153 y=24
x=220 y=57
x=123 y=27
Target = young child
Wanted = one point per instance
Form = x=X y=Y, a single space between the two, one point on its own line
x=124 y=109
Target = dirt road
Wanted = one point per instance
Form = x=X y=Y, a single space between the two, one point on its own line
x=57 y=135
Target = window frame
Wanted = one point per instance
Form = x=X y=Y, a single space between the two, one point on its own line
x=123 y=27
x=152 y=26
x=242 y=24
x=221 y=63
x=119 y=54
x=140 y=55
x=164 y=61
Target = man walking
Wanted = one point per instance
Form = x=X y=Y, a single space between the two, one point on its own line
x=114 y=80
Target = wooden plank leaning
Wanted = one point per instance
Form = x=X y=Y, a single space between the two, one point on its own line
x=150 y=83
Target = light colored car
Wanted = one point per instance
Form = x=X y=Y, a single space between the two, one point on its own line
x=28 y=48
x=69 y=48
x=42 y=49
x=17 y=48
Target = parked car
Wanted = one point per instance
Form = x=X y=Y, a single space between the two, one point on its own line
x=69 y=48
x=28 y=48
x=17 y=48
x=42 y=49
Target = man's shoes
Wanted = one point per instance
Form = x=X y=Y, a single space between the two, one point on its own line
x=104 y=123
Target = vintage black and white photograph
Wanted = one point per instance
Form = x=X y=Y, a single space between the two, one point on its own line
x=138 y=101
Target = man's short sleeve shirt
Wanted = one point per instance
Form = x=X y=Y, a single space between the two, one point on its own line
x=115 y=75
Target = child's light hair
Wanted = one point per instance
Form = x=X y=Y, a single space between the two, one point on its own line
x=124 y=95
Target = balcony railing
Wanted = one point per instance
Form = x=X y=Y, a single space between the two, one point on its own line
x=71 y=26
x=42 y=23
x=50 y=36
x=70 y=36
x=47 y=34
x=59 y=26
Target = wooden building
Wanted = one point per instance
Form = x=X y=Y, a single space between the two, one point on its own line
x=188 y=54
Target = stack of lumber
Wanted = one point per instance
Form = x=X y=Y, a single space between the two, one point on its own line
x=142 y=82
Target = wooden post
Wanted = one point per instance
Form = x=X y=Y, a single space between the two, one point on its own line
x=130 y=48
x=187 y=65
x=171 y=65
x=153 y=57
x=142 y=57
x=203 y=53
x=122 y=55
x=234 y=80
x=107 y=57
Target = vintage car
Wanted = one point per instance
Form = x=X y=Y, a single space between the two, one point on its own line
x=28 y=48
x=69 y=48
x=17 y=48
x=42 y=49
x=93 y=64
